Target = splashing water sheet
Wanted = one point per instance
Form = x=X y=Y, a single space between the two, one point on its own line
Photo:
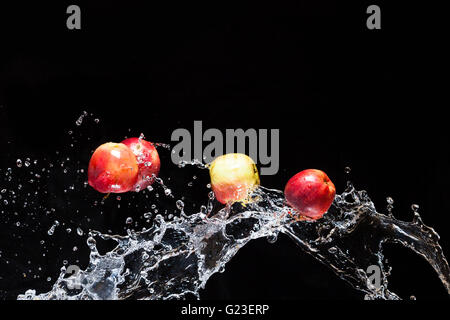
x=175 y=256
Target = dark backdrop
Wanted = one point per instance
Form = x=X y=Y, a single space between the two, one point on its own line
x=341 y=95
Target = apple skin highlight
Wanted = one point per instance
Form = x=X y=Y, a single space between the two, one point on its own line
x=233 y=176
x=310 y=192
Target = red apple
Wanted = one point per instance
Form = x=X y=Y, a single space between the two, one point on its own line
x=310 y=192
x=113 y=168
x=148 y=161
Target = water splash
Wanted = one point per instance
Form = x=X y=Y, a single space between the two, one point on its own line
x=174 y=259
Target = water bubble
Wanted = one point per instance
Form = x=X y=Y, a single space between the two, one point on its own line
x=96 y=120
x=347 y=170
x=129 y=220
x=389 y=200
x=415 y=207
x=80 y=231
x=19 y=163
x=27 y=163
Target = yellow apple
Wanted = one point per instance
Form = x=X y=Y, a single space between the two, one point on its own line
x=233 y=176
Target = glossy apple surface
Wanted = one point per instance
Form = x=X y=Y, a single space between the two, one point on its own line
x=148 y=161
x=113 y=168
x=233 y=176
x=310 y=192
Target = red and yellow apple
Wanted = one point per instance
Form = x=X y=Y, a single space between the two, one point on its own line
x=148 y=161
x=233 y=177
x=310 y=192
x=113 y=168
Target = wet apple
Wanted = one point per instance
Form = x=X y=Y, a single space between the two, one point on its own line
x=148 y=161
x=310 y=192
x=233 y=176
x=113 y=168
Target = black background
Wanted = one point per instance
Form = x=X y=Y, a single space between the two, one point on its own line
x=341 y=95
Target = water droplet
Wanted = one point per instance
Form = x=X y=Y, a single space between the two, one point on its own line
x=272 y=238
x=91 y=243
x=180 y=205
x=147 y=215
x=80 y=119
